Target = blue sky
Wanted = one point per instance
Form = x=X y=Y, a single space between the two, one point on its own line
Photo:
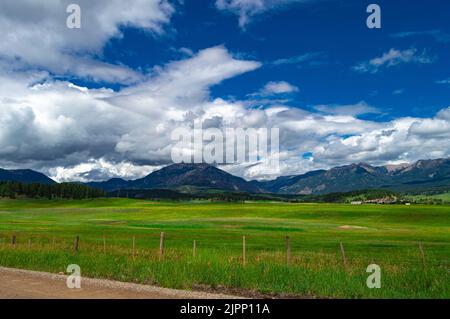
x=330 y=36
x=102 y=101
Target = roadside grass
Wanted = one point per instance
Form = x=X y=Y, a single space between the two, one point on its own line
x=385 y=235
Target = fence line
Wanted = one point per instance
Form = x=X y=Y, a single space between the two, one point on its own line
x=407 y=258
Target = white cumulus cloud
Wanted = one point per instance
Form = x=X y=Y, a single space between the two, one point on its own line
x=282 y=87
x=35 y=34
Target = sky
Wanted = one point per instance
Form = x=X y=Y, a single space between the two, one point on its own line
x=101 y=101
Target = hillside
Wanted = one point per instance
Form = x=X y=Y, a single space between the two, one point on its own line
x=24 y=176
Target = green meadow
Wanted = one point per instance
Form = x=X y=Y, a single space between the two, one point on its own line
x=444 y=197
x=389 y=236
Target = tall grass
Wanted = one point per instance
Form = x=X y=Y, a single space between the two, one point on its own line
x=310 y=274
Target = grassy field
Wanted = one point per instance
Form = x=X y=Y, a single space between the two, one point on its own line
x=444 y=197
x=386 y=235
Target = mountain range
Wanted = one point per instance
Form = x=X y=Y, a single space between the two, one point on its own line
x=183 y=176
x=420 y=176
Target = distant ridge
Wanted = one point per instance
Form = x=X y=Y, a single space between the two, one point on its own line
x=24 y=176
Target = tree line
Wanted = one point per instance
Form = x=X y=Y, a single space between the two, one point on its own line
x=13 y=190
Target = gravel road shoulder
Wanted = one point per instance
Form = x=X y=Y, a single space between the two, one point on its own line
x=25 y=284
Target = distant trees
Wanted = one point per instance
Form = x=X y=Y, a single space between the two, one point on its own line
x=367 y=195
x=64 y=191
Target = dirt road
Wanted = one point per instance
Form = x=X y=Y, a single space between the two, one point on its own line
x=23 y=284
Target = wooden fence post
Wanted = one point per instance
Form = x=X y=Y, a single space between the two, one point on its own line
x=14 y=240
x=422 y=254
x=288 y=250
x=194 y=250
x=344 y=259
x=134 y=247
x=76 y=244
x=244 y=252
x=161 y=246
x=29 y=243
